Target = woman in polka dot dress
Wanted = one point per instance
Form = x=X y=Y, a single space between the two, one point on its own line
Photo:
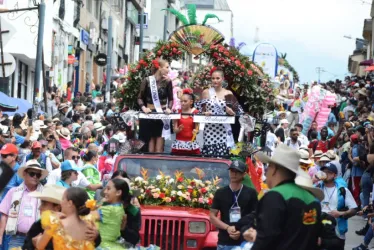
x=218 y=138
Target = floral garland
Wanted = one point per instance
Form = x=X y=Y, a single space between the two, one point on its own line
x=128 y=93
x=241 y=74
x=178 y=191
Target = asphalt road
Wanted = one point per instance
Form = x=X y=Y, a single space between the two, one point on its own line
x=353 y=240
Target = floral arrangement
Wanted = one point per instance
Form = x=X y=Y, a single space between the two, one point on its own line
x=175 y=190
x=283 y=62
x=128 y=93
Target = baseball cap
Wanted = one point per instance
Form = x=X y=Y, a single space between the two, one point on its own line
x=354 y=137
x=330 y=167
x=238 y=165
x=8 y=149
x=67 y=166
x=36 y=144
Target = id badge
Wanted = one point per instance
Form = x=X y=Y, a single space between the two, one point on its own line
x=235 y=214
x=325 y=206
x=27 y=211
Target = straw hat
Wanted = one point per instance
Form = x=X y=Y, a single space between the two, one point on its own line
x=62 y=106
x=50 y=193
x=283 y=156
x=362 y=92
x=324 y=157
x=32 y=164
x=64 y=133
x=304 y=156
x=317 y=154
x=120 y=137
x=98 y=126
x=40 y=124
x=306 y=182
x=332 y=155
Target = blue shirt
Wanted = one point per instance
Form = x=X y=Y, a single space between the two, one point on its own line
x=357 y=171
x=61 y=183
x=14 y=182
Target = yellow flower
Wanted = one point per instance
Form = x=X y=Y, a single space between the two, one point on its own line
x=180 y=186
x=91 y=204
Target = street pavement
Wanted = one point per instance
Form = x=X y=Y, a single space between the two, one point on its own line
x=352 y=239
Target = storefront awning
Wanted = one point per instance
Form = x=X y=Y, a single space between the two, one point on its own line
x=367 y=62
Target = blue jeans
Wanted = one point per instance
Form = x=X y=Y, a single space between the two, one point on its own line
x=224 y=247
x=368 y=236
x=16 y=241
x=366 y=188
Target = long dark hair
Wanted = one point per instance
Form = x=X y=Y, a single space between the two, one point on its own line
x=79 y=197
x=122 y=185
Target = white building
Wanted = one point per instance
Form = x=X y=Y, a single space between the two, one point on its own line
x=21 y=42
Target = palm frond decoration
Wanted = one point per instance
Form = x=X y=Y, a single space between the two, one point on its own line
x=179 y=15
x=209 y=16
x=191 y=11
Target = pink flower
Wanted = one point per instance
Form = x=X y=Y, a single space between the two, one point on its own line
x=201 y=200
x=155 y=195
x=167 y=199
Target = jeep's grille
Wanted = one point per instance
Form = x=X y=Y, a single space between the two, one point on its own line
x=168 y=234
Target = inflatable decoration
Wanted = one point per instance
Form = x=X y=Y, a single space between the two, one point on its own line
x=317 y=108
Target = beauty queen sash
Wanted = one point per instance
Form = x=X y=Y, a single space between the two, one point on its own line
x=157 y=104
x=229 y=137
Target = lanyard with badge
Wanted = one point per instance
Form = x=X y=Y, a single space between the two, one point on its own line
x=326 y=204
x=235 y=214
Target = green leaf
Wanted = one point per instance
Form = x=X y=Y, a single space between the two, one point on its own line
x=191 y=10
x=179 y=15
x=209 y=16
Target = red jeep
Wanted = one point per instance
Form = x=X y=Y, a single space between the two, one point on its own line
x=176 y=228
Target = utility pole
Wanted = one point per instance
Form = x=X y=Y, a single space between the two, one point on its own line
x=166 y=23
x=319 y=70
x=141 y=32
x=109 y=56
x=38 y=60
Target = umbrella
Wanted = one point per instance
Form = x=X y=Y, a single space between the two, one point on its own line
x=370 y=68
x=16 y=105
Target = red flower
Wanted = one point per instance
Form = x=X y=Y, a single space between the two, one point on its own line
x=179 y=52
x=167 y=47
x=192 y=183
x=250 y=72
x=227 y=53
x=237 y=62
x=138 y=66
x=162 y=195
x=159 y=53
x=203 y=191
x=226 y=62
x=172 y=198
x=129 y=78
x=242 y=67
x=175 y=50
x=241 y=73
x=190 y=190
x=215 y=55
x=147 y=191
x=232 y=58
x=212 y=46
x=221 y=49
x=210 y=201
x=180 y=179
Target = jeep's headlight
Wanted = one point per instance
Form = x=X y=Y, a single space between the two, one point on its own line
x=197 y=227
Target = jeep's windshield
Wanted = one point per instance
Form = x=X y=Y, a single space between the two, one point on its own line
x=211 y=169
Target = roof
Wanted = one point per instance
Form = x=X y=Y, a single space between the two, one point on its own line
x=221 y=5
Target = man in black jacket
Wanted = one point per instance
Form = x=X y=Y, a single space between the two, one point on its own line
x=288 y=215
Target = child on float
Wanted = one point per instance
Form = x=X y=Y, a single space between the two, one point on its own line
x=185 y=128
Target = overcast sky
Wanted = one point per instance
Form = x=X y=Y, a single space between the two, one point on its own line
x=310 y=32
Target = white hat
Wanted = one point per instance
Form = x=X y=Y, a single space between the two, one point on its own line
x=356 y=85
x=50 y=193
x=332 y=155
x=32 y=164
x=306 y=182
x=40 y=124
x=62 y=106
x=317 y=154
x=285 y=157
x=64 y=133
x=120 y=137
x=324 y=157
x=283 y=121
x=362 y=92
x=98 y=126
x=304 y=156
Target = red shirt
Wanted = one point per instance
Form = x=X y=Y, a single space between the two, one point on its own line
x=324 y=146
x=186 y=134
x=68 y=94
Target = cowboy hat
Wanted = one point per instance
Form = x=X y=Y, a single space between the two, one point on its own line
x=50 y=193
x=32 y=164
x=306 y=183
x=98 y=126
x=62 y=106
x=64 y=133
x=304 y=156
x=283 y=156
x=362 y=92
x=324 y=157
x=332 y=155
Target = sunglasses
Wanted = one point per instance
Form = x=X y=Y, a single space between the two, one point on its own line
x=33 y=174
x=76 y=157
x=5 y=156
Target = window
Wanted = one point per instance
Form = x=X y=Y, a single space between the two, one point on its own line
x=97 y=9
x=22 y=80
x=89 y=5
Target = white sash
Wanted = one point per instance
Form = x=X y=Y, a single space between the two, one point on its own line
x=157 y=104
x=229 y=137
